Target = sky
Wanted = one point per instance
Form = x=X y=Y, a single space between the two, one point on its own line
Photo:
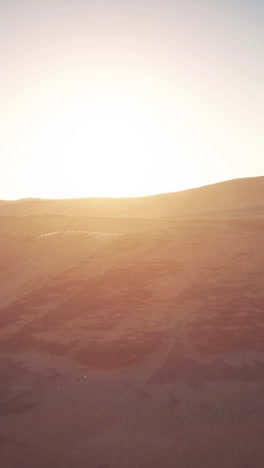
x=129 y=98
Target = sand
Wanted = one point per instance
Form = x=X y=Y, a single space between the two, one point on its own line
x=132 y=342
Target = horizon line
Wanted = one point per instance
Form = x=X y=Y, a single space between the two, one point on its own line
x=13 y=200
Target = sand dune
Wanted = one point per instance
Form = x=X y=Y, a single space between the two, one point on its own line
x=238 y=194
x=133 y=341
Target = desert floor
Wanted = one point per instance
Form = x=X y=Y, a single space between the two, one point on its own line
x=132 y=343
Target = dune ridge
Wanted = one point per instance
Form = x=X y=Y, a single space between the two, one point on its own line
x=237 y=194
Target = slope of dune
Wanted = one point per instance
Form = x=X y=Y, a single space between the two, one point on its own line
x=235 y=195
x=133 y=342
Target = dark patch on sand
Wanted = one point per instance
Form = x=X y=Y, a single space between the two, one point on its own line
x=182 y=368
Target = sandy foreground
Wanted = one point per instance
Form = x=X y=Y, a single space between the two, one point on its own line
x=132 y=343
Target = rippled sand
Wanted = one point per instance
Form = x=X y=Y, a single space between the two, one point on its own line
x=139 y=349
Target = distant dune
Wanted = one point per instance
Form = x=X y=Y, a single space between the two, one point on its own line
x=236 y=195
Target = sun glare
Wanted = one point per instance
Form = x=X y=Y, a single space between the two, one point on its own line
x=107 y=145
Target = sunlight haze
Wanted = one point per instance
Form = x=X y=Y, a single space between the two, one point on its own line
x=128 y=98
x=131 y=234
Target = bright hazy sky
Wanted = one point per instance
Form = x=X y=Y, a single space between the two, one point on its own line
x=129 y=97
